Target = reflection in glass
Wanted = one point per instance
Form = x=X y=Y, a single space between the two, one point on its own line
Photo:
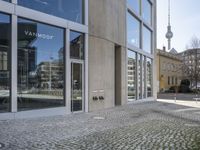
x=147 y=40
x=135 y=5
x=139 y=76
x=6 y=0
x=147 y=47
x=131 y=75
x=143 y=77
x=76 y=87
x=40 y=65
x=146 y=11
x=149 y=77
x=67 y=9
x=76 y=45
x=5 y=41
x=133 y=30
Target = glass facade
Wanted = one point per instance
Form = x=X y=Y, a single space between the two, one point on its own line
x=146 y=11
x=133 y=30
x=76 y=87
x=67 y=9
x=77 y=55
x=144 y=76
x=135 y=5
x=42 y=69
x=149 y=77
x=140 y=42
x=139 y=64
x=132 y=75
x=7 y=0
x=5 y=46
x=76 y=45
x=40 y=65
x=147 y=40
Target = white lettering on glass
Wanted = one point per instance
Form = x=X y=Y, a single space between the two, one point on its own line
x=38 y=35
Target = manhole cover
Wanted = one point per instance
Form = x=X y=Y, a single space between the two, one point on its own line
x=99 y=118
x=1 y=145
x=192 y=125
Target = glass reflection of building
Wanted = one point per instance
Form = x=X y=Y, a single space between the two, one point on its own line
x=139 y=41
x=27 y=57
x=131 y=76
x=40 y=65
x=46 y=62
x=5 y=41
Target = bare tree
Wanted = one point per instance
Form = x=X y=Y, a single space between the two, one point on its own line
x=191 y=65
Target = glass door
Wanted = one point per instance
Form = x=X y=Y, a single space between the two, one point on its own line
x=77 y=96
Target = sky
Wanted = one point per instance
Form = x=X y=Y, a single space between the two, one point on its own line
x=185 y=22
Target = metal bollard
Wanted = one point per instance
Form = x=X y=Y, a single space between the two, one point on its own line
x=175 y=97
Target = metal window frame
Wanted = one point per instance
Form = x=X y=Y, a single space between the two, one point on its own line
x=140 y=50
x=16 y=11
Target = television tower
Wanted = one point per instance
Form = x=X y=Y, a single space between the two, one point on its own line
x=169 y=33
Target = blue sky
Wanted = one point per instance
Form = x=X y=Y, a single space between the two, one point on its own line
x=185 y=22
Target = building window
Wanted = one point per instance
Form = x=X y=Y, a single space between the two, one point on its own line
x=139 y=61
x=40 y=65
x=76 y=45
x=147 y=41
x=5 y=46
x=133 y=30
x=131 y=75
x=77 y=70
x=146 y=11
x=67 y=9
x=135 y=5
x=149 y=77
x=143 y=76
x=176 y=81
x=168 y=80
x=172 y=80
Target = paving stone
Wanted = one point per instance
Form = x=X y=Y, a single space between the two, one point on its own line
x=149 y=125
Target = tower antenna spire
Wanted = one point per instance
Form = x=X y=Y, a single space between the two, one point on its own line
x=169 y=33
x=169 y=12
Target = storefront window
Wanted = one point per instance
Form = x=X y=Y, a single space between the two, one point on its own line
x=147 y=46
x=5 y=41
x=40 y=65
x=135 y=5
x=146 y=11
x=131 y=75
x=76 y=45
x=133 y=31
x=149 y=77
x=67 y=9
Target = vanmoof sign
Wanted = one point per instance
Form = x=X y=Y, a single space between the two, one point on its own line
x=38 y=35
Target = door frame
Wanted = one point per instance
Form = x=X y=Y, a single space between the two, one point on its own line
x=75 y=61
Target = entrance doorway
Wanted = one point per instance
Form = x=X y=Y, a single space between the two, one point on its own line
x=77 y=87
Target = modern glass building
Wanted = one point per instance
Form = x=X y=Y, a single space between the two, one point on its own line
x=140 y=47
x=56 y=57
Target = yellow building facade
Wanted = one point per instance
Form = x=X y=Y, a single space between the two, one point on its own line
x=169 y=73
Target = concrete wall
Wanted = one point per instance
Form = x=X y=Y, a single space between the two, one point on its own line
x=107 y=28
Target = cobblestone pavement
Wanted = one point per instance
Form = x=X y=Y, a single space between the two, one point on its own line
x=147 y=126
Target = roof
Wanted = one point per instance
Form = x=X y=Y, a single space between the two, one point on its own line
x=173 y=51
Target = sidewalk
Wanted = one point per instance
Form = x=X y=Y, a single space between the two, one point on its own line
x=190 y=103
x=148 y=125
